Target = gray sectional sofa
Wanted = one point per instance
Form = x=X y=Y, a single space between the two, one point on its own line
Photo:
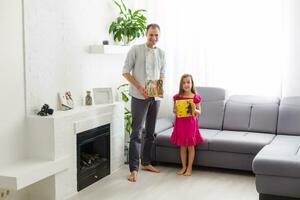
x=246 y=133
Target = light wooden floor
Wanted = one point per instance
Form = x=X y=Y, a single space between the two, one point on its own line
x=205 y=183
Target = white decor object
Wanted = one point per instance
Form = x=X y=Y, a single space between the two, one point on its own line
x=103 y=95
x=109 y=49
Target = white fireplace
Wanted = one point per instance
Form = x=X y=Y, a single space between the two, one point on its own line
x=52 y=146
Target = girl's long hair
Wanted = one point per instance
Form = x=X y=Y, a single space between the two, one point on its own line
x=181 y=91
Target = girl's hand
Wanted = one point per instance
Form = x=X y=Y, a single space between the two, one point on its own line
x=197 y=109
x=174 y=108
x=197 y=112
x=174 y=111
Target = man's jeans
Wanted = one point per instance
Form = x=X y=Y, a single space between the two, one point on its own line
x=143 y=111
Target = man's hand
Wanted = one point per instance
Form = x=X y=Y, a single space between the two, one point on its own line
x=136 y=84
x=142 y=91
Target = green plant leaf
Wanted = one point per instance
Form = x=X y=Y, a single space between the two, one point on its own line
x=123 y=85
x=128 y=128
x=138 y=11
x=124 y=97
x=127 y=110
x=125 y=8
x=111 y=28
x=121 y=11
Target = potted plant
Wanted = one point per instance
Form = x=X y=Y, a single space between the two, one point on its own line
x=129 y=25
x=124 y=91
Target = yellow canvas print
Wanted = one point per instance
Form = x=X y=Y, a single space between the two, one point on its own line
x=154 y=88
x=185 y=108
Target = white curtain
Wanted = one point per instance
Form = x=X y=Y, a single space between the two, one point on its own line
x=233 y=44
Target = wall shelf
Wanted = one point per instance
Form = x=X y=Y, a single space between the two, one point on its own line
x=23 y=173
x=109 y=49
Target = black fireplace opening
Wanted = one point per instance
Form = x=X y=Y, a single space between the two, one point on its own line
x=93 y=155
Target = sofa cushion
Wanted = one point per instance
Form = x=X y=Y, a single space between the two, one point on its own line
x=212 y=106
x=239 y=142
x=289 y=116
x=237 y=116
x=211 y=115
x=264 y=118
x=280 y=158
x=209 y=94
x=164 y=138
x=207 y=134
x=252 y=99
x=163 y=124
x=251 y=113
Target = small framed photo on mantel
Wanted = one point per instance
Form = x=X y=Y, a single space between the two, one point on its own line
x=103 y=96
x=65 y=100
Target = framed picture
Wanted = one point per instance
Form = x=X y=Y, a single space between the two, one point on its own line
x=66 y=100
x=154 y=88
x=103 y=95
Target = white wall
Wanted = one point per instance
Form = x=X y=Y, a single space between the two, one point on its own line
x=57 y=35
x=12 y=105
x=12 y=100
x=291 y=64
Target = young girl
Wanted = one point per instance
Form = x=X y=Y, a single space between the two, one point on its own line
x=186 y=132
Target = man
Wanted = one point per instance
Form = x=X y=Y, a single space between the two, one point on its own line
x=144 y=62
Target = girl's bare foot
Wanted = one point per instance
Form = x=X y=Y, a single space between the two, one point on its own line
x=133 y=176
x=150 y=168
x=188 y=172
x=181 y=172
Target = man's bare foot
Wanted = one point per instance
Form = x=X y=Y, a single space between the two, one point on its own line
x=150 y=168
x=188 y=172
x=133 y=176
x=181 y=172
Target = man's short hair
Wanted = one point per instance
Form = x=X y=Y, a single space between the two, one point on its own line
x=152 y=26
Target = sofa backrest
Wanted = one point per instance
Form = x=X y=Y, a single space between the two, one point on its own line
x=289 y=116
x=212 y=107
x=251 y=113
